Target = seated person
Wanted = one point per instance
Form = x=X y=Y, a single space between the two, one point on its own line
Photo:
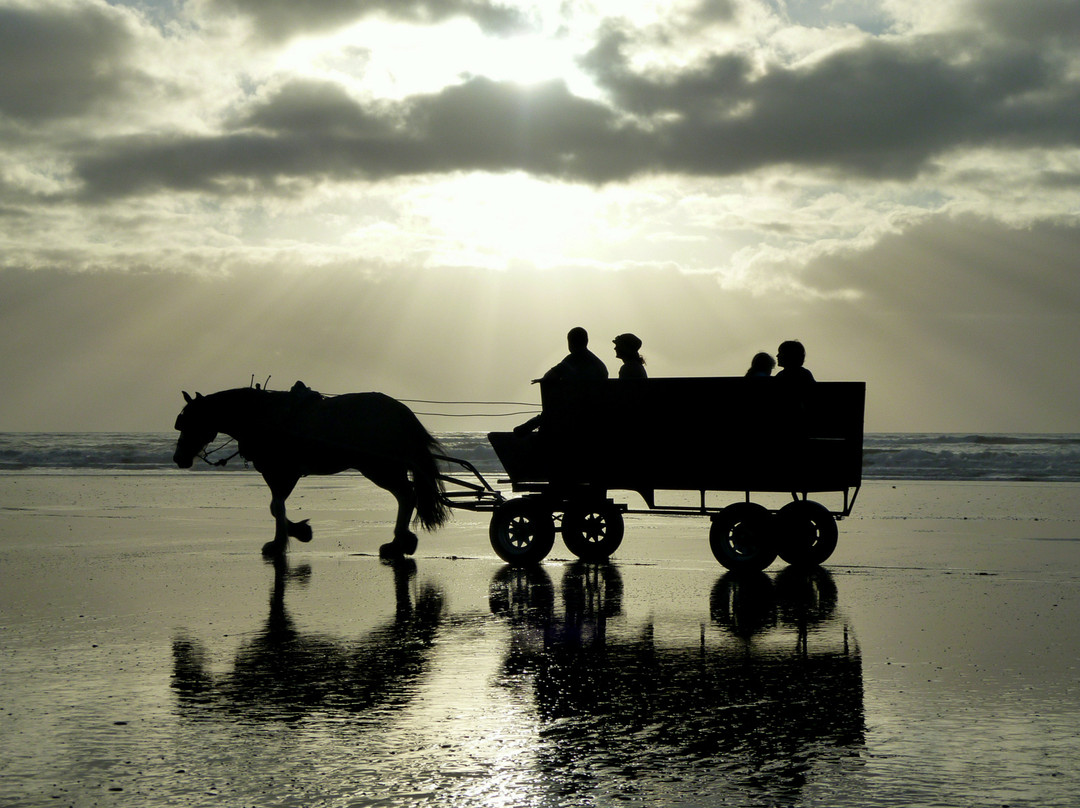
x=580 y=365
x=790 y=356
x=761 y=366
x=633 y=363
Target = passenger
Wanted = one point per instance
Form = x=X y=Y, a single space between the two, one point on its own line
x=761 y=366
x=633 y=363
x=580 y=364
x=790 y=356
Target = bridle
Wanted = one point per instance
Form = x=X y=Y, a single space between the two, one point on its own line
x=204 y=455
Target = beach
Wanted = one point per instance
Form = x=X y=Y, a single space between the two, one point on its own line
x=150 y=656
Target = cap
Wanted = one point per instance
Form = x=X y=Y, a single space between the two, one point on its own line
x=629 y=340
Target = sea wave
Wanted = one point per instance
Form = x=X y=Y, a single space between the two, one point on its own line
x=886 y=456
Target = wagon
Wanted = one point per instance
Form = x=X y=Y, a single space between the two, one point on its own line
x=697 y=437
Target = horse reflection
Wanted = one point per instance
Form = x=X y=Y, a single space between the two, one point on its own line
x=768 y=692
x=283 y=673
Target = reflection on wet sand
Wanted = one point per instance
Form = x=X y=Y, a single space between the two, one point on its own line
x=776 y=695
x=283 y=673
x=757 y=691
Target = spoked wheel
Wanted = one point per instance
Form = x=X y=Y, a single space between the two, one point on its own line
x=806 y=533
x=742 y=537
x=593 y=534
x=522 y=531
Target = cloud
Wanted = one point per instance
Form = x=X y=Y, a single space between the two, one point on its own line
x=879 y=108
x=884 y=109
x=315 y=131
x=59 y=61
x=1046 y=22
x=962 y=267
x=278 y=20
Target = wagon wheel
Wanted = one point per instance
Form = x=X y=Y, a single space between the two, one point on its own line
x=741 y=537
x=522 y=531
x=593 y=534
x=806 y=533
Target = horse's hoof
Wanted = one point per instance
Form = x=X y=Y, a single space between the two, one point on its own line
x=391 y=551
x=407 y=542
x=274 y=549
x=301 y=531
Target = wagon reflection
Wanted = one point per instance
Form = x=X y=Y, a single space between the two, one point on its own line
x=770 y=687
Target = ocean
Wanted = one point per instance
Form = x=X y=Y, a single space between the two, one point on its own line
x=886 y=456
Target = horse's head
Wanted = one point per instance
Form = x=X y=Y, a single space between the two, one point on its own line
x=195 y=432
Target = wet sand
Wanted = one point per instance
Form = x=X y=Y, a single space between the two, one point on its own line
x=148 y=656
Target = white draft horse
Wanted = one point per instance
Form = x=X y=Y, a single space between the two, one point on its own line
x=289 y=435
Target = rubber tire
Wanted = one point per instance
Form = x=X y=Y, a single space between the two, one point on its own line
x=806 y=533
x=593 y=534
x=522 y=532
x=741 y=537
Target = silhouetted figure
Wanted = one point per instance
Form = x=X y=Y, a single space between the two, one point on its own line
x=580 y=364
x=761 y=366
x=633 y=363
x=304 y=394
x=790 y=356
x=290 y=435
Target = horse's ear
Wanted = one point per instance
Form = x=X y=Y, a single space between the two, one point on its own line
x=187 y=398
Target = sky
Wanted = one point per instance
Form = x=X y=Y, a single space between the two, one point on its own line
x=422 y=197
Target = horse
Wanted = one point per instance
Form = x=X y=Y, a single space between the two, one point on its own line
x=289 y=435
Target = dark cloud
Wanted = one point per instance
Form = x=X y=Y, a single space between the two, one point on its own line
x=716 y=11
x=963 y=267
x=277 y=20
x=1042 y=21
x=312 y=130
x=56 y=63
x=880 y=109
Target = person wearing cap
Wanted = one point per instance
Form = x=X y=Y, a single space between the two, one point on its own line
x=633 y=364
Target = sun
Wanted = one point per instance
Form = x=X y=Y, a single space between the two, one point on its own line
x=504 y=220
x=392 y=60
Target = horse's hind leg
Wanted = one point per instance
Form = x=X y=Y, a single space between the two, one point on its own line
x=281 y=485
x=397 y=482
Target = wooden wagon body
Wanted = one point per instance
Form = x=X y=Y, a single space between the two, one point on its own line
x=704 y=435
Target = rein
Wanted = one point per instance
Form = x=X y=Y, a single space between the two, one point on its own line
x=204 y=454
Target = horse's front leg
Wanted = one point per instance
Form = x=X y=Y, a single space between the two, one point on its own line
x=281 y=485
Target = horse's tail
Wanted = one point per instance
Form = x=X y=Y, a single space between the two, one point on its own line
x=431 y=507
